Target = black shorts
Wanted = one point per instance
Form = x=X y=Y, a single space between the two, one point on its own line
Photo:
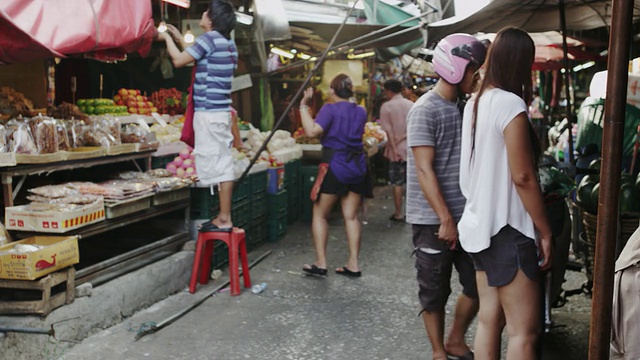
x=398 y=173
x=331 y=185
x=509 y=251
x=434 y=269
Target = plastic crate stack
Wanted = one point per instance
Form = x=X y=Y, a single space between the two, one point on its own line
x=308 y=175
x=257 y=229
x=292 y=186
x=277 y=223
x=207 y=206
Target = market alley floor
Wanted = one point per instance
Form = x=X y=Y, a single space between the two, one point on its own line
x=297 y=317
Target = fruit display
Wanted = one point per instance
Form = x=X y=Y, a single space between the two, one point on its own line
x=184 y=164
x=301 y=138
x=589 y=191
x=134 y=102
x=101 y=107
x=14 y=103
x=554 y=183
x=168 y=101
x=373 y=133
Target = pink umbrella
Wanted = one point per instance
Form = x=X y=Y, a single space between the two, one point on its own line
x=106 y=29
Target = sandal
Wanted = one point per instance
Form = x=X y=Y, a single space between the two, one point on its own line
x=346 y=272
x=211 y=227
x=314 y=270
x=394 y=218
x=466 y=356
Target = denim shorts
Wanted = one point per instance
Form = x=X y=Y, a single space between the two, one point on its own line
x=398 y=173
x=434 y=268
x=509 y=251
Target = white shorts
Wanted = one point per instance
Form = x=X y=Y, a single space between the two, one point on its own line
x=212 y=152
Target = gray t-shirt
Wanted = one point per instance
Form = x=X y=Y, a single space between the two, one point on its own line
x=434 y=121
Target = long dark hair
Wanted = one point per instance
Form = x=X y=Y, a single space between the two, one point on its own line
x=508 y=67
x=223 y=17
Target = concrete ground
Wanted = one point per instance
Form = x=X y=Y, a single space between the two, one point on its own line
x=297 y=317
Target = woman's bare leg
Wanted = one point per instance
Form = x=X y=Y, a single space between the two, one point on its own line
x=350 y=206
x=320 y=227
x=490 y=321
x=521 y=303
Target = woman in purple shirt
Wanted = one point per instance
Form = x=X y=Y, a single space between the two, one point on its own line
x=340 y=126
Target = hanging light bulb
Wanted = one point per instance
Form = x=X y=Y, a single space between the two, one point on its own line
x=162 y=27
x=188 y=36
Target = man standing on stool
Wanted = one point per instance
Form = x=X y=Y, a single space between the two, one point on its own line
x=393 y=120
x=434 y=200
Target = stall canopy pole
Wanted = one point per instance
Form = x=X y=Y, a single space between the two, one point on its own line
x=297 y=95
x=567 y=80
x=612 y=139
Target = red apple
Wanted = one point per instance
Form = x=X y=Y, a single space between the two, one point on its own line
x=132 y=92
x=133 y=110
x=137 y=92
x=120 y=102
x=116 y=98
x=123 y=92
x=150 y=104
x=138 y=98
x=142 y=105
x=132 y=103
x=154 y=109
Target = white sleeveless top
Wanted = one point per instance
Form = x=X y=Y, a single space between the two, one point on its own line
x=492 y=199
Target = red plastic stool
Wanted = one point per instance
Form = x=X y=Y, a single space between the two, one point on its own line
x=235 y=241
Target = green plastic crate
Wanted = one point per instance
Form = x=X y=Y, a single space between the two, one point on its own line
x=203 y=204
x=293 y=211
x=307 y=178
x=220 y=255
x=258 y=205
x=277 y=227
x=241 y=191
x=160 y=162
x=257 y=232
x=277 y=204
x=258 y=182
x=241 y=213
x=292 y=172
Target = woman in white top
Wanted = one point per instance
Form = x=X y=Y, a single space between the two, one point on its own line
x=504 y=213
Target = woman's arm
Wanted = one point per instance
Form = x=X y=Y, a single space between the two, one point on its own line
x=523 y=174
x=311 y=129
x=178 y=58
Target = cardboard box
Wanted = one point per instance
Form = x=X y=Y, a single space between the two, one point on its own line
x=17 y=218
x=58 y=252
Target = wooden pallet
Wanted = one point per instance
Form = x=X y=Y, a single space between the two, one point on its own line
x=38 y=296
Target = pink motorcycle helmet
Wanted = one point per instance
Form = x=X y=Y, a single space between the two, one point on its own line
x=453 y=53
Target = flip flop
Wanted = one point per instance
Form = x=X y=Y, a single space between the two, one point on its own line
x=394 y=218
x=211 y=227
x=346 y=272
x=314 y=270
x=466 y=356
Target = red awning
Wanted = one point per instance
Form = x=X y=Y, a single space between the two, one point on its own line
x=104 y=29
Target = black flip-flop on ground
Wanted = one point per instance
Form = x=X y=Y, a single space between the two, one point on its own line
x=211 y=227
x=467 y=356
x=394 y=218
x=346 y=272
x=314 y=270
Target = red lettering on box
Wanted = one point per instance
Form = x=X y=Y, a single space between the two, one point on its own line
x=54 y=224
x=45 y=224
x=12 y=222
x=20 y=223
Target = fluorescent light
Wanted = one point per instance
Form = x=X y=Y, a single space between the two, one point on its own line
x=181 y=3
x=584 y=66
x=162 y=27
x=304 y=56
x=278 y=51
x=243 y=18
x=361 y=55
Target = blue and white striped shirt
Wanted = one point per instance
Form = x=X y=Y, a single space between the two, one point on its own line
x=216 y=59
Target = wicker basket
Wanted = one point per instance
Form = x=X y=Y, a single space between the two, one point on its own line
x=627 y=225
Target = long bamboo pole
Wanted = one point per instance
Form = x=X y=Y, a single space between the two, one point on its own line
x=612 y=138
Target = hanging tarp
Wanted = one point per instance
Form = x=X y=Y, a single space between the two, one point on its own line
x=104 y=29
x=530 y=15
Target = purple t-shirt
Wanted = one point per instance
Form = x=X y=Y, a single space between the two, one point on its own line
x=343 y=124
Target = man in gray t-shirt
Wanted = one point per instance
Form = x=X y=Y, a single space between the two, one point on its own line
x=434 y=200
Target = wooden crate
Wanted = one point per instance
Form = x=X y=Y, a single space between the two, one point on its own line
x=38 y=296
